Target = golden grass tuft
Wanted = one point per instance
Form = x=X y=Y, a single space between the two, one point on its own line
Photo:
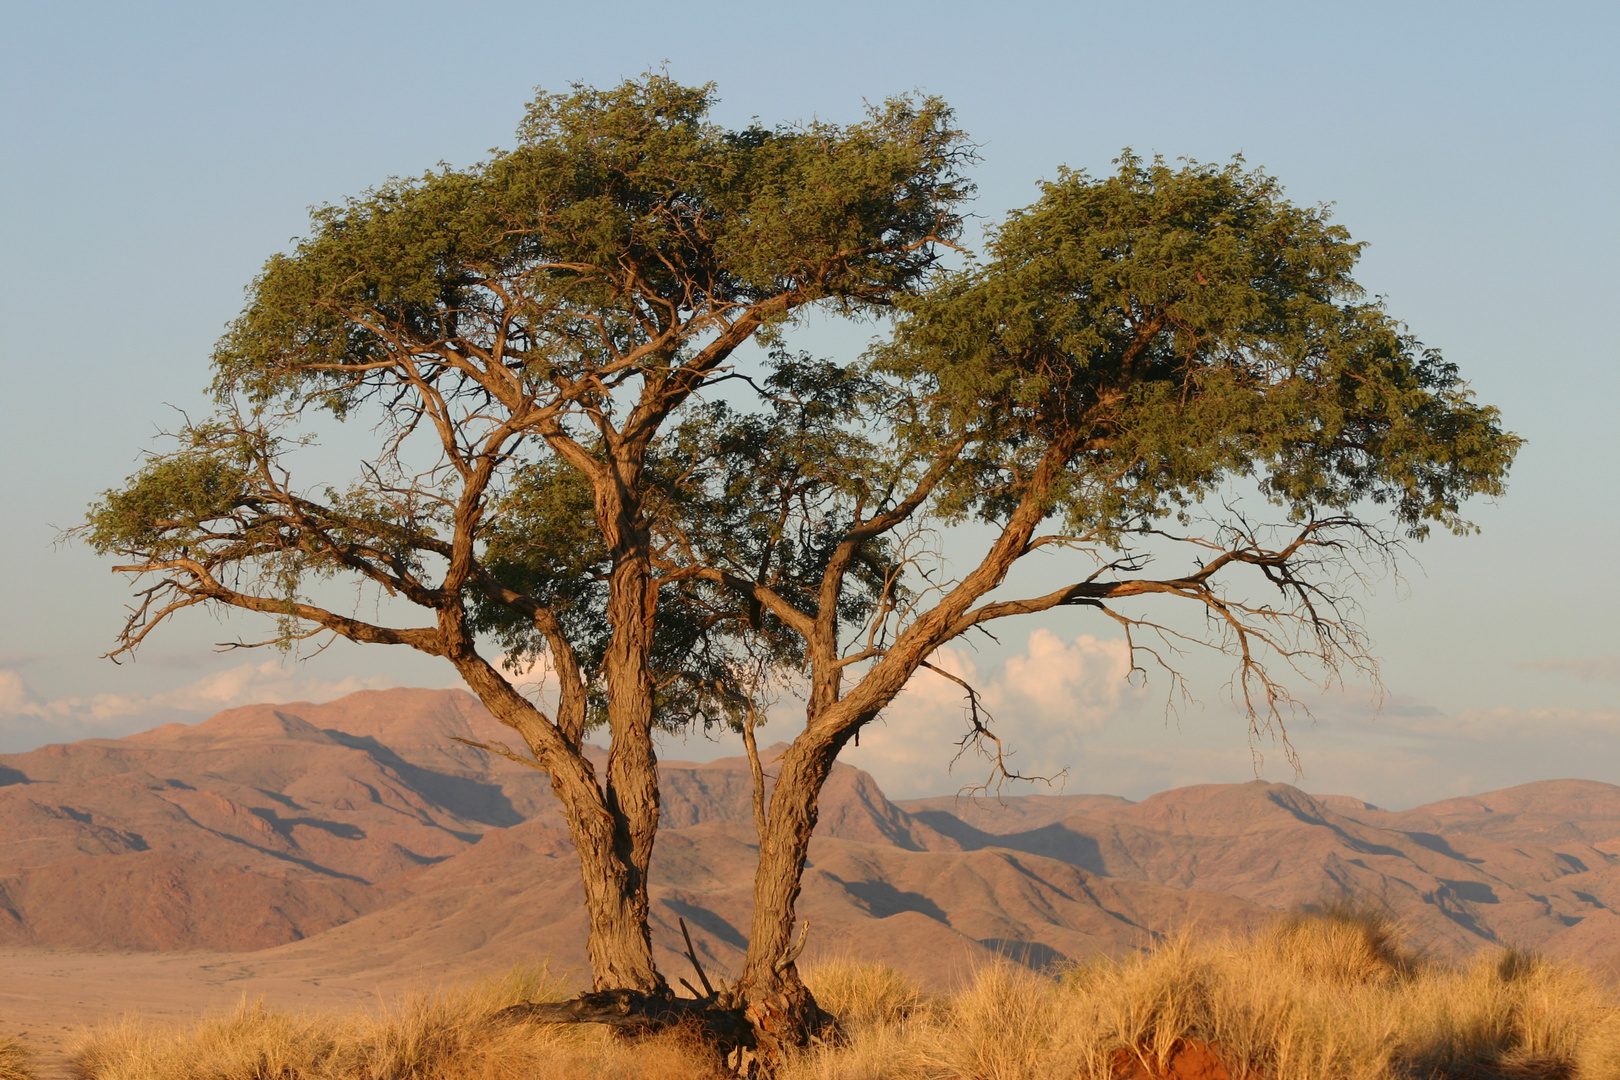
x=1325 y=994
x=864 y=994
x=1342 y=942
x=16 y=1063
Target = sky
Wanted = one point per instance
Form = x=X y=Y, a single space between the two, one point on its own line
x=153 y=155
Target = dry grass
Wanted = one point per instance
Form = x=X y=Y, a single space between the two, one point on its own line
x=864 y=995
x=15 y=1061
x=1323 y=995
x=434 y=1037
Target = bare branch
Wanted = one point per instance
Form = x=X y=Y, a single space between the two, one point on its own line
x=981 y=739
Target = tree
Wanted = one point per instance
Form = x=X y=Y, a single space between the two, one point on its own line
x=523 y=332
x=578 y=464
x=1135 y=351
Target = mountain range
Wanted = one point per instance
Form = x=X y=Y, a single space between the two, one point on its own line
x=358 y=836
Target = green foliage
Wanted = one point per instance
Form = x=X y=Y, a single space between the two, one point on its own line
x=543 y=542
x=623 y=219
x=768 y=495
x=171 y=504
x=764 y=496
x=1173 y=329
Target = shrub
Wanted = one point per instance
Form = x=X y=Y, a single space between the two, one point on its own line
x=1342 y=942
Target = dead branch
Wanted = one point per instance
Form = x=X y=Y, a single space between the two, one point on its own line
x=979 y=735
x=691 y=954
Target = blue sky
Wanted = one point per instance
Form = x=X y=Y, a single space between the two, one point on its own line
x=153 y=155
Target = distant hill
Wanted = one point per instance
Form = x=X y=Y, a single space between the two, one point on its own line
x=1533 y=866
x=358 y=836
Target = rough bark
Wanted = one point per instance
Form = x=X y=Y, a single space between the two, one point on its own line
x=779 y=1007
x=615 y=895
x=631 y=792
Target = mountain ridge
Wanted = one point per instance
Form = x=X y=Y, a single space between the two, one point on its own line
x=357 y=834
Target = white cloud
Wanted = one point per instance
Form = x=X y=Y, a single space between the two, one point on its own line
x=26 y=720
x=15 y=699
x=910 y=748
x=533 y=676
x=1078 y=685
x=1043 y=703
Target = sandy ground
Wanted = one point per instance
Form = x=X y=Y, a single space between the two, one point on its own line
x=48 y=996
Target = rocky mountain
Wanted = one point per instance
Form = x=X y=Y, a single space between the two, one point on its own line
x=1533 y=866
x=256 y=827
x=359 y=836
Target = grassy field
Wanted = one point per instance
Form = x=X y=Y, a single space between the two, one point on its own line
x=1329 y=995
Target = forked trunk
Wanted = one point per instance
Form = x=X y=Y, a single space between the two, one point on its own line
x=616 y=904
x=619 y=947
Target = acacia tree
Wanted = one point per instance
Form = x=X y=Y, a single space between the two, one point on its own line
x=552 y=326
x=1133 y=351
x=521 y=332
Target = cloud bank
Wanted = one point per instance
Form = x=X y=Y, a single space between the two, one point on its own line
x=1064 y=708
x=27 y=721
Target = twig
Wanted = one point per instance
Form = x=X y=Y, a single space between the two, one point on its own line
x=755 y=768
x=691 y=954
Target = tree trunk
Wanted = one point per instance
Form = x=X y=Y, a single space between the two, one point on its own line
x=780 y=1008
x=631 y=789
x=619 y=945
x=616 y=904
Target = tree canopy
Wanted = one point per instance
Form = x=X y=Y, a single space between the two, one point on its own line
x=1186 y=326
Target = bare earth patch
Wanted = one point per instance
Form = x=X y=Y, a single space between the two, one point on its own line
x=47 y=996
